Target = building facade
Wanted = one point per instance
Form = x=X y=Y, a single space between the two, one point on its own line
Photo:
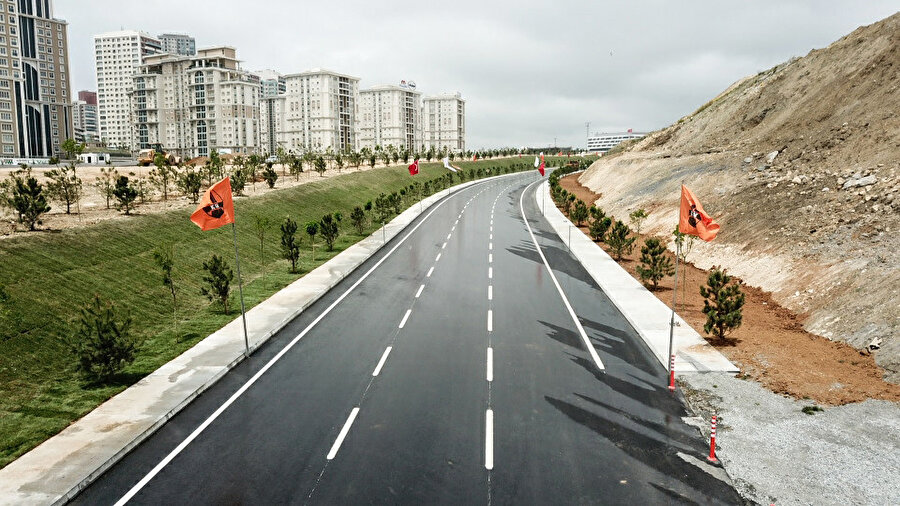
x=85 y=119
x=318 y=110
x=444 y=122
x=390 y=115
x=118 y=55
x=194 y=104
x=35 y=98
x=271 y=83
x=178 y=43
x=603 y=142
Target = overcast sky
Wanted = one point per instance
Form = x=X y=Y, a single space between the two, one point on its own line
x=529 y=73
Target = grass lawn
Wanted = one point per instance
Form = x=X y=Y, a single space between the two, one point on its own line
x=50 y=275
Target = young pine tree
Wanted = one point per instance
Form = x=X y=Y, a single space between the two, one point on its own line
x=218 y=280
x=619 y=241
x=290 y=247
x=328 y=229
x=654 y=264
x=101 y=341
x=723 y=304
x=165 y=260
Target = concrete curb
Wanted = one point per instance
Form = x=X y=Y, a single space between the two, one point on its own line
x=60 y=467
x=647 y=314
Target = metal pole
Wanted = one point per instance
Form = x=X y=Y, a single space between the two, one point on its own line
x=237 y=259
x=570 y=235
x=674 y=295
x=383 y=239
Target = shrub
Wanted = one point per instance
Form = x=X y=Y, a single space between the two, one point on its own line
x=599 y=227
x=358 y=219
x=218 y=279
x=722 y=305
x=619 y=241
x=26 y=197
x=190 y=182
x=328 y=229
x=101 y=342
x=579 y=212
x=654 y=263
x=270 y=176
x=125 y=193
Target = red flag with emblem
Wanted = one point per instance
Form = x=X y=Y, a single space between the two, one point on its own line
x=414 y=168
x=216 y=207
x=541 y=166
x=693 y=219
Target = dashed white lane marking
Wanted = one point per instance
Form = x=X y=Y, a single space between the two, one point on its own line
x=444 y=246
x=420 y=291
x=340 y=439
x=490 y=246
x=584 y=337
x=382 y=361
x=490 y=292
x=430 y=271
x=490 y=320
x=405 y=317
x=491 y=237
x=453 y=229
x=489 y=440
x=437 y=258
x=490 y=364
x=490 y=273
x=492 y=222
x=490 y=258
x=449 y=236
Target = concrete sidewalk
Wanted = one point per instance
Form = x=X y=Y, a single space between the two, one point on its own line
x=647 y=314
x=60 y=467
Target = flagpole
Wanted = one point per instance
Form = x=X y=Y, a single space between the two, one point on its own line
x=672 y=320
x=237 y=259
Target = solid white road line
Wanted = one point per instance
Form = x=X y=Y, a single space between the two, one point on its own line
x=490 y=273
x=429 y=272
x=490 y=364
x=340 y=439
x=405 y=317
x=490 y=320
x=382 y=361
x=221 y=409
x=489 y=440
x=437 y=258
x=584 y=337
x=420 y=291
x=490 y=292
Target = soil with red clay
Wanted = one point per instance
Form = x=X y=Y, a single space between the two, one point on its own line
x=770 y=346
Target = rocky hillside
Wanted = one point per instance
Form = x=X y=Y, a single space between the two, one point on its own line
x=799 y=164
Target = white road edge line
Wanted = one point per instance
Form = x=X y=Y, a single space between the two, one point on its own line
x=584 y=337
x=382 y=361
x=490 y=320
x=490 y=364
x=489 y=440
x=206 y=423
x=420 y=291
x=340 y=439
x=405 y=317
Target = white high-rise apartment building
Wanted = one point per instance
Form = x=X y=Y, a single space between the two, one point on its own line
x=118 y=55
x=318 y=111
x=178 y=43
x=35 y=98
x=194 y=104
x=271 y=83
x=444 y=121
x=390 y=115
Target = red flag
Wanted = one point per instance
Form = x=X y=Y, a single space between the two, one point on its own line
x=216 y=207
x=629 y=130
x=475 y=158
x=693 y=219
x=541 y=166
x=414 y=168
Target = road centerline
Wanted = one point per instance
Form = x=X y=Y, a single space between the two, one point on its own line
x=382 y=361
x=340 y=439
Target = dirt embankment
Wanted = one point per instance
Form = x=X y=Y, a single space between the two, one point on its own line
x=800 y=165
x=770 y=346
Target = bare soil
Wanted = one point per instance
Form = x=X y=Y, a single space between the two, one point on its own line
x=771 y=345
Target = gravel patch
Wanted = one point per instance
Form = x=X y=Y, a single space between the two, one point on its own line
x=777 y=454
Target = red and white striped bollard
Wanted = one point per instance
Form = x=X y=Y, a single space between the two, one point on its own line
x=672 y=373
x=712 y=442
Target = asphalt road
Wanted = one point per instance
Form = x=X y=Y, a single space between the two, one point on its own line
x=453 y=374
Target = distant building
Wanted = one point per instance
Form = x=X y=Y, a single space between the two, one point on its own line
x=317 y=111
x=118 y=55
x=271 y=83
x=603 y=142
x=35 y=98
x=444 y=122
x=194 y=104
x=390 y=115
x=85 y=118
x=178 y=43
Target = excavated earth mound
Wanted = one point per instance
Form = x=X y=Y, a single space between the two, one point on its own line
x=799 y=164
